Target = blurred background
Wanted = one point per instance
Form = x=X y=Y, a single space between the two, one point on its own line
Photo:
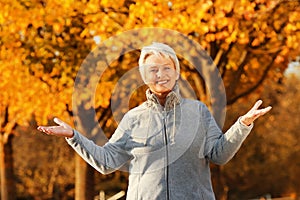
x=255 y=45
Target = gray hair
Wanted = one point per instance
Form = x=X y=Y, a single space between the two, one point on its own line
x=157 y=48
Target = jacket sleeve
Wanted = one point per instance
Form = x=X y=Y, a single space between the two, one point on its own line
x=220 y=148
x=108 y=158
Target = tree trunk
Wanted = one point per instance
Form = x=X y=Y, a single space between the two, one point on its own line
x=84 y=180
x=6 y=168
x=219 y=183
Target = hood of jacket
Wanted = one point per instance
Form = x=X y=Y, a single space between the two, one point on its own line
x=172 y=99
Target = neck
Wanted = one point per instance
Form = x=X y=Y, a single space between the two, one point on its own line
x=162 y=97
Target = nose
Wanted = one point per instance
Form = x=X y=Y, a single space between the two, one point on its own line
x=159 y=73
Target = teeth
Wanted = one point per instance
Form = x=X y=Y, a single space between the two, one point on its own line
x=162 y=82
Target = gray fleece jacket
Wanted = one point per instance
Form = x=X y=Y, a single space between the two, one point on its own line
x=167 y=149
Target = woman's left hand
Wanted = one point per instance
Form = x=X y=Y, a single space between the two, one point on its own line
x=254 y=113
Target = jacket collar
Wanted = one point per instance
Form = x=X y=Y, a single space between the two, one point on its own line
x=173 y=98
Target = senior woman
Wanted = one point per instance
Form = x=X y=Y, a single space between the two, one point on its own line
x=168 y=141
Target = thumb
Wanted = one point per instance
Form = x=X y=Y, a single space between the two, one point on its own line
x=59 y=122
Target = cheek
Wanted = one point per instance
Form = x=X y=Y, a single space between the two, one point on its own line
x=148 y=79
x=175 y=76
x=149 y=76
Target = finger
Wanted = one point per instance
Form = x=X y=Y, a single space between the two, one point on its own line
x=265 y=110
x=44 y=129
x=256 y=105
x=261 y=112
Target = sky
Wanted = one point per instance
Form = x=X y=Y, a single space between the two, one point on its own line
x=293 y=69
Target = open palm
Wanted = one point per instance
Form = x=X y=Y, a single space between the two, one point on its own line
x=254 y=113
x=63 y=129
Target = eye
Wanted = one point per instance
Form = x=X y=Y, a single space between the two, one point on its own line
x=167 y=67
x=152 y=70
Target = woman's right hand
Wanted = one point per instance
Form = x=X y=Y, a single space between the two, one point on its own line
x=63 y=129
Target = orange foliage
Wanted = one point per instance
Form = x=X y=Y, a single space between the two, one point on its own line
x=37 y=36
x=43 y=45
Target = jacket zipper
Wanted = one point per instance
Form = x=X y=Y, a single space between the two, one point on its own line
x=167 y=158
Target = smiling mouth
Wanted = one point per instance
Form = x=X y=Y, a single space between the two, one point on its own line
x=161 y=82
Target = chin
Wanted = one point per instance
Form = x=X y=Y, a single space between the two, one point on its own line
x=162 y=91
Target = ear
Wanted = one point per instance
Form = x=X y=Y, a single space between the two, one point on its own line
x=178 y=76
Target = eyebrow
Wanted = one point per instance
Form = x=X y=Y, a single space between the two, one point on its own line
x=156 y=65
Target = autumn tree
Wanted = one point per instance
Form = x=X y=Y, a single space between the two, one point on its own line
x=28 y=86
x=268 y=162
x=43 y=165
x=46 y=42
x=22 y=95
x=44 y=52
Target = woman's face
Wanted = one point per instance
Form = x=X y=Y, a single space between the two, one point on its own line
x=160 y=74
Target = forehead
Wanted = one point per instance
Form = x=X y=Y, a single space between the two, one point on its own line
x=160 y=59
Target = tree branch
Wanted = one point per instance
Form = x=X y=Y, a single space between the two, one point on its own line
x=255 y=86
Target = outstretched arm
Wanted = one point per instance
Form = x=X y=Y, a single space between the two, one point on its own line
x=224 y=146
x=63 y=129
x=105 y=159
